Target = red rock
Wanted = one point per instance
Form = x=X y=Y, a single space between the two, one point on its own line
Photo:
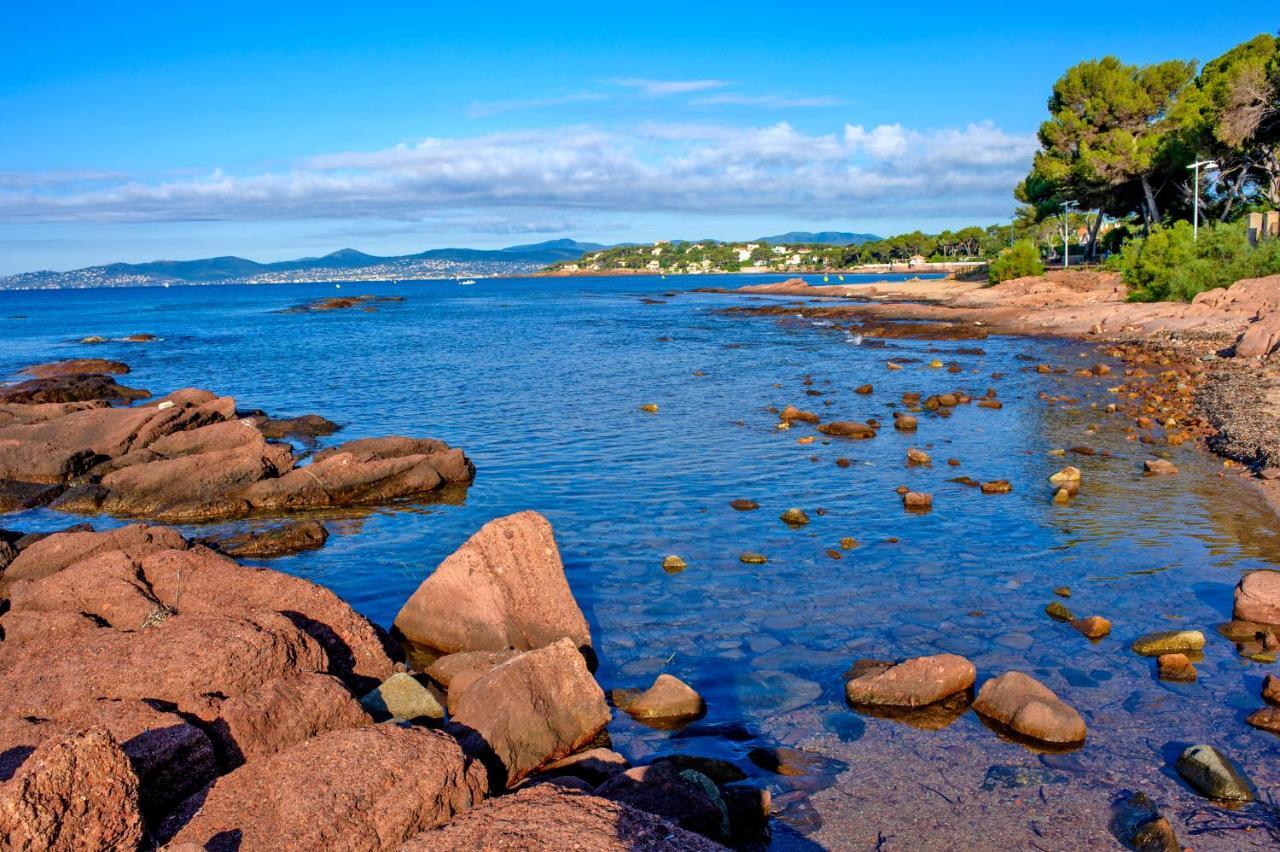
x=1029 y=708
x=274 y=540
x=306 y=427
x=201 y=581
x=504 y=588
x=669 y=699
x=530 y=711
x=1257 y=597
x=367 y=788
x=280 y=714
x=997 y=486
x=915 y=501
x=595 y=765
x=914 y=683
x=1271 y=689
x=346 y=480
x=171 y=757
x=56 y=552
x=1266 y=718
x=847 y=429
x=76 y=367
x=41 y=462
x=1175 y=667
x=76 y=791
x=543 y=817
x=69 y=387
x=1094 y=626
x=1159 y=467
x=456 y=672
x=792 y=413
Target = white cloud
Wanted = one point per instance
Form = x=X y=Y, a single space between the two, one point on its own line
x=517 y=179
x=667 y=87
x=484 y=109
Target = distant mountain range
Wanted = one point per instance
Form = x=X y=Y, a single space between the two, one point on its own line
x=348 y=264
x=829 y=238
x=341 y=265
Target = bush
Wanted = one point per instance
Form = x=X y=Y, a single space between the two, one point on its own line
x=1022 y=258
x=1169 y=264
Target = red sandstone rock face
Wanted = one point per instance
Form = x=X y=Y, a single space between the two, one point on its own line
x=1257 y=597
x=368 y=788
x=504 y=588
x=914 y=683
x=76 y=791
x=543 y=817
x=1029 y=708
x=531 y=710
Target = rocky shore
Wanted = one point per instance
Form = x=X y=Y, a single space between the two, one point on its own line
x=1223 y=347
x=156 y=693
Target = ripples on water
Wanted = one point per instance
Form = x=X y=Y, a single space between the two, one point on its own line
x=540 y=382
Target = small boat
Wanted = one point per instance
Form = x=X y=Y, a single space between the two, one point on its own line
x=841 y=277
x=825 y=279
x=466 y=282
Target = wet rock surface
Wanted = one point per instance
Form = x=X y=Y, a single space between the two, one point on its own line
x=909 y=684
x=1030 y=709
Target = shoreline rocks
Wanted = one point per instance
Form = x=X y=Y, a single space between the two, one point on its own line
x=1030 y=709
x=669 y=701
x=912 y=683
x=505 y=588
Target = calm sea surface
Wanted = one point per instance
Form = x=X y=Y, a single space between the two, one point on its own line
x=540 y=382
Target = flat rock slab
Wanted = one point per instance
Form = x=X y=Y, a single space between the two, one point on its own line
x=914 y=683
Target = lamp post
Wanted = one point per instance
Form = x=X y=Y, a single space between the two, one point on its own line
x=1195 y=204
x=1067 y=206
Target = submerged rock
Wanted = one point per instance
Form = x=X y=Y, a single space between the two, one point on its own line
x=1175 y=667
x=1212 y=774
x=1029 y=708
x=668 y=700
x=847 y=429
x=673 y=564
x=504 y=588
x=1168 y=642
x=792 y=413
x=918 y=457
x=1159 y=467
x=1093 y=626
x=904 y=422
x=913 y=683
x=1058 y=612
x=751 y=558
x=744 y=505
x=275 y=540
x=997 y=486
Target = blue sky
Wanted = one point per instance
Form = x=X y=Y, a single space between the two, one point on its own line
x=141 y=131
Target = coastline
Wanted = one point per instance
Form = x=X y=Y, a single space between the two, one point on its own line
x=1238 y=395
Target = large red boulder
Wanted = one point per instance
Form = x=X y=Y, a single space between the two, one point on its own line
x=531 y=710
x=76 y=791
x=547 y=817
x=367 y=788
x=504 y=588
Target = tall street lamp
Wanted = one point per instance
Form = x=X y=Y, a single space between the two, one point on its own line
x=1195 y=216
x=1067 y=207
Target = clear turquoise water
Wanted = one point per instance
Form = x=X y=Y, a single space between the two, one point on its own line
x=540 y=382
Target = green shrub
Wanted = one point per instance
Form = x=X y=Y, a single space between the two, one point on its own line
x=1022 y=258
x=1169 y=264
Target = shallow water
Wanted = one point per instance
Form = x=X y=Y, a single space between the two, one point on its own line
x=540 y=382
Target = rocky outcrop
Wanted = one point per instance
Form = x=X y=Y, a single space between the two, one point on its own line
x=189 y=456
x=75 y=791
x=545 y=817
x=530 y=711
x=368 y=788
x=77 y=367
x=504 y=588
x=1030 y=709
x=914 y=683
